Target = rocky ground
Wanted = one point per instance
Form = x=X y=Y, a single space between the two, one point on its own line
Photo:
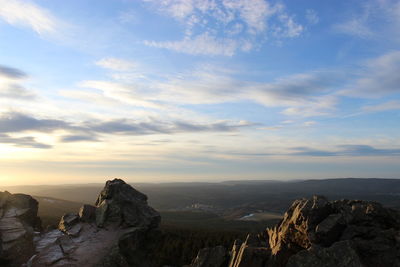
x=318 y=233
x=122 y=230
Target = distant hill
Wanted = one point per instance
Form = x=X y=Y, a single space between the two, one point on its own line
x=51 y=209
x=267 y=195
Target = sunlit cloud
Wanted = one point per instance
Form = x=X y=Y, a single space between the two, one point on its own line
x=305 y=94
x=13 y=122
x=28 y=14
x=117 y=64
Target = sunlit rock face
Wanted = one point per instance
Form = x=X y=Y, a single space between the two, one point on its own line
x=18 y=223
x=120 y=230
x=317 y=232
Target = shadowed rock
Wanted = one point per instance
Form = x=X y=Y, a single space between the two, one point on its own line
x=121 y=203
x=252 y=252
x=340 y=254
x=87 y=213
x=316 y=232
x=18 y=221
x=211 y=257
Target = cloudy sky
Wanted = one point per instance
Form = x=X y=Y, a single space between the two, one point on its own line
x=206 y=90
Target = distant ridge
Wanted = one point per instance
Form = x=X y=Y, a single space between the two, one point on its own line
x=269 y=194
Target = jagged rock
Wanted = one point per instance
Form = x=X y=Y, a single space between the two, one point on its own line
x=69 y=224
x=316 y=232
x=119 y=202
x=296 y=231
x=127 y=235
x=251 y=253
x=87 y=213
x=340 y=254
x=211 y=257
x=18 y=221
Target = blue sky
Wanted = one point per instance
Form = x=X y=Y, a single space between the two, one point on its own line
x=169 y=90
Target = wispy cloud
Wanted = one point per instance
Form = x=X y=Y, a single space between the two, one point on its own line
x=385 y=106
x=225 y=27
x=79 y=138
x=11 y=73
x=312 y=16
x=130 y=127
x=347 y=150
x=28 y=14
x=355 y=26
x=14 y=122
x=10 y=84
x=306 y=91
x=305 y=94
x=379 y=77
x=116 y=64
x=202 y=44
x=372 y=21
x=17 y=122
x=27 y=141
x=288 y=27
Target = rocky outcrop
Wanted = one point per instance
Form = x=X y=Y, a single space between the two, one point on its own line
x=18 y=223
x=252 y=252
x=121 y=230
x=120 y=203
x=87 y=213
x=316 y=232
x=211 y=257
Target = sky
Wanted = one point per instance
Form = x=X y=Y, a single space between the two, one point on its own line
x=198 y=90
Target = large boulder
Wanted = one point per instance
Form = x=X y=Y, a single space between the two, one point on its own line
x=121 y=203
x=18 y=223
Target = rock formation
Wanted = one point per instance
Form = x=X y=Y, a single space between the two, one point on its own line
x=121 y=230
x=18 y=223
x=316 y=232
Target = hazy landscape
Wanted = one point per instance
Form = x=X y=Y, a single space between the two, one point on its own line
x=200 y=215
